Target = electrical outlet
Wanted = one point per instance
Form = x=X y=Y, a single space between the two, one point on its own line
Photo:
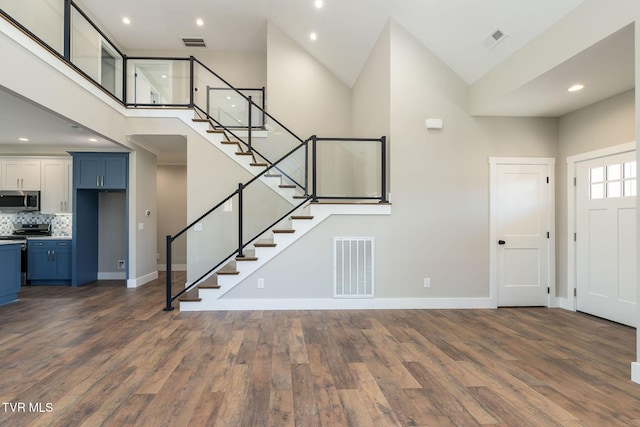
x=121 y=264
x=427 y=282
x=260 y=283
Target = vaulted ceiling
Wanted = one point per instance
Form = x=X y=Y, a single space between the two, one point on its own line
x=456 y=31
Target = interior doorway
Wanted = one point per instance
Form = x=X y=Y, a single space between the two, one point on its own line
x=522 y=228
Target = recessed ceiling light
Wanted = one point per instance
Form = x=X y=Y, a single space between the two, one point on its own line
x=199 y=22
x=93 y=140
x=23 y=139
x=164 y=76
x=228 y=97
x=576 y=88
x=126 y=20
x=313 y=36
x=319 y=3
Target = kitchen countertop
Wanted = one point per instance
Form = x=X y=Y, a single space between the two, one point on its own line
x=49 y=238
x=9 y=242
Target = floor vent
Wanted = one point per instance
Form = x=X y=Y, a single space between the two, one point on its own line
x=353 y=265
x=193 y=42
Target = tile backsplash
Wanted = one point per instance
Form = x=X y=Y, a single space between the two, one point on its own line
x=60 y=223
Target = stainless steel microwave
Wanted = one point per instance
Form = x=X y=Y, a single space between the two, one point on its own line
x=19 y=201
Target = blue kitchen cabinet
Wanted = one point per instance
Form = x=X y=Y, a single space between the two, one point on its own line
x=10 y=272
x=49 y=262
x=104 y=171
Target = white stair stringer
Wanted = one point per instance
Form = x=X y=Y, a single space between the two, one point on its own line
x=210 y=299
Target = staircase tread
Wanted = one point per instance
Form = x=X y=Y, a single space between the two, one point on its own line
x=227 y=272
x=301 y=216
x=272 y=175
x=208 y=286
x=264 y=244
x=201 y=120
x=259 y=164
x=209 y=283
x=215 y=131
x=189 y=299
x=283 y=231
x=244 y=153
x=287 y=186
x=246 y=258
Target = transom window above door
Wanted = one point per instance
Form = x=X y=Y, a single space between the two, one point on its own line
x=615 y=180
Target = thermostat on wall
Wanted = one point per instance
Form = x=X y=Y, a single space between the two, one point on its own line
x=434 y=123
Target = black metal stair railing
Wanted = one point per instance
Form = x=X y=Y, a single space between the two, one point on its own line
x=242 y=242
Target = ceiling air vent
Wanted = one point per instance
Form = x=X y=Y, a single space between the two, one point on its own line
x=193 y=42
x=494 y=38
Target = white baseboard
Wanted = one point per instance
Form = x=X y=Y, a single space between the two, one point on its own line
x=134 y=283
x=635 y=372
x=174 y=267
x=336 y=304
x=112 y=276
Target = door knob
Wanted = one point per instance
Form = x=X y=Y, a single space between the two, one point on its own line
x=501 y=242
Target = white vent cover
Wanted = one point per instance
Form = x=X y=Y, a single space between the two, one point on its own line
x=494 y=38
x=353 y=265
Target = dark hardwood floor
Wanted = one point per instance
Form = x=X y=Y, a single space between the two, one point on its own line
x=107 y=355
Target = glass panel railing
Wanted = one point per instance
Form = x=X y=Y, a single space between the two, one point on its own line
x=231 y=109
x=267 y=199
x=94 y=55
x=211 y=240
x=43 y=18
x=158 y=81
x=349 y=168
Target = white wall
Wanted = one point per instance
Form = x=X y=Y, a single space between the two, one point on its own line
x=142 y=227
x=303 y=94
x=172 y=210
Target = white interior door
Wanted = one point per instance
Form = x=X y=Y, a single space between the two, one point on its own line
x=606 y=237
x=522 y=221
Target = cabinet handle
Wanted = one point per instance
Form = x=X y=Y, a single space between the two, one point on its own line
x=61 y=209
x=102 y=181
x=66 y=206
x=18 y=183
x=48 y=256
x=21 y=182
x=53 y=256
x=97 y=181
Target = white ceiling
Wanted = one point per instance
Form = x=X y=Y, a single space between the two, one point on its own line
x=347 y=30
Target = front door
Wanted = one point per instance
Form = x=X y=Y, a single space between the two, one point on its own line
x=606 y=237
x=523 y=226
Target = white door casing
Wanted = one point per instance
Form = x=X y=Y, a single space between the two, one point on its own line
x=605 y=220
x=522 y=271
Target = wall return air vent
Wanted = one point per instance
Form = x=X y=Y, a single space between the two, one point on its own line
x=494 y=38
x=193 y=42
x=353 y=267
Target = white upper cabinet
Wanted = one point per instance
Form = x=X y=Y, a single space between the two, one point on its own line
x=56 y=186
x=21 y=174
